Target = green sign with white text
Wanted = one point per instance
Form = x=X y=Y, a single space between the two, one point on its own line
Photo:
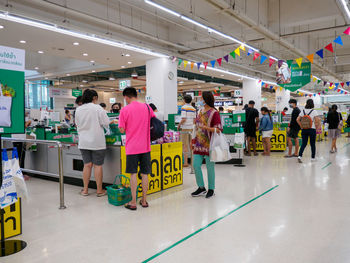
x=295 y=77
x=77 y=92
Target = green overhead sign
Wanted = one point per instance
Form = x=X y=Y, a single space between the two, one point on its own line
x=294 y=77
x=77 y=92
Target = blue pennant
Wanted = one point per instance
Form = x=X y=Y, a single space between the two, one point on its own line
x=338 y=40
x=212 y=63
x=336 y=85
x=348 y=83
x=250 y=51
x=320 y=53
x=262 y=59
x=199 y=65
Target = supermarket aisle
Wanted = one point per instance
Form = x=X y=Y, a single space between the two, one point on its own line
x=304 y=219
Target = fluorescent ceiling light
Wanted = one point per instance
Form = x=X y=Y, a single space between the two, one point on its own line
x=22 y=41
x=181 y=78
x=76 y=43
x=1 y=27
x=90 y=37
x=129 y=62
x=41 y=52
x=162 y=8
x=199 y=81
x=85 y=54
x=36 y=68
x=217 y=84
x=92 y=61
x=194 y=22
x=346 y=9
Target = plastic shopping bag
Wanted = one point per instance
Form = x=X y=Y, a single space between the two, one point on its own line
x=239 y=140
x=8 y=193
x=219 y=148
x=5 y=109
x=21 y=186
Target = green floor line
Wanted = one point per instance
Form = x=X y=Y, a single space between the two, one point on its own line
x=205 y=227
x=328 y=164
x=345 y=145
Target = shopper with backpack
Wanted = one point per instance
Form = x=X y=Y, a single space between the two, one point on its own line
x=308 y=121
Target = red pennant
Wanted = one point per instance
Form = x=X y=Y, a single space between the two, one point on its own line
x=346 y=92
x=219 y=60
x=310 y=95
x=256 y=55
x=329 y=47
x=338 y=90
x=259 y=81
x=319 y=93
x=347 y=31
x=330 y=84
x=342 y=84
x=271 y=62
x=205 y=64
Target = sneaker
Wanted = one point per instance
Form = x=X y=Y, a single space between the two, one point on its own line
x=210 y=193
x=313 y=159
x=299 y=159
x=199 y=192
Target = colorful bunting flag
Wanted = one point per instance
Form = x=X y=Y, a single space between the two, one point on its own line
x=226 y=58
x=324 y=83
x=250 y=51
x=348 y=83
x=180 y=62
x=259 y=81
x=326 y=90
x=198 y=65
x=318 y=81
x=290 y=62
x=213 y=63
x=342 y=84
x=219 y=60
x=347 y=31
x=329 y=47
x=280 y=63
x=338 y=41
x=271 y=61
x=299 y=61
x=311 y=58
x=205 y=64
x=237 y=52
x=262 y=59
x=242 y=47
x=256 y=55
x=313 y=79
x=192 y=64
x=320 y=53
x=336 y=85
x=262 y=84
x=233 y=54
x=185 y=63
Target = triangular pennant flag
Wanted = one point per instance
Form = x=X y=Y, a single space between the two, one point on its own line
x=336 y=85
x=198 y=65
x=256 y=55
x=311 y=58
x=213 y=63
x=347 y=31
x=262 y=84
x=271 y=61
x=185 y=63
x=348 y=83
x=233 y=54
x=289 y=62
x=219 y=60
x=338 y=41
x=329 y=47
x=299 y=61
x=320 y=53
x=280 y=63
x=313 y=79
x=259 y=81
x=180 y=62
x=192 y=64
x=226 y=58
x=342 y=84
x=341 y=92
x=205 y=64
x=237 y=52
x=242 y=47
x=250 y=51
x=324 y=83
x=262 y=59
x=318 y=81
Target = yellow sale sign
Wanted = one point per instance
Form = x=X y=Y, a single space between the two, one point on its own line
x=278 y=141
x=13 y=220
x=172 y=164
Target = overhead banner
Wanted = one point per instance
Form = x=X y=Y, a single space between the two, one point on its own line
x=293 y=77
x=12 y=58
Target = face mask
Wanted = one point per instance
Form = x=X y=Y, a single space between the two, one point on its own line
x=200 y=103
x=290 y=106
x=115 y=110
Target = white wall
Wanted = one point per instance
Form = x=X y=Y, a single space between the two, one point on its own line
x=252 y=91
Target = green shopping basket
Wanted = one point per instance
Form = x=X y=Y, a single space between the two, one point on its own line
x=119 y=194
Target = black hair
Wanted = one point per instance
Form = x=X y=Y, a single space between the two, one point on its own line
x=188 y=99
x=285 y=108
x=334 y=107
x=79 y=99
x=153 y=107
x=89 y=95
x=293 y=101
x=103 y=105
x=221 y=108
x=208 y=98
x=265 y=109
x=310 y=104
x=116 y=104
x=251 y=102
x=130 y=92
x=245 y=107
x=67 y=111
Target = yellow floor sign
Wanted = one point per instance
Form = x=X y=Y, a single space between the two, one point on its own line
x=278 y=141
x=172 y=164
x=13 y=220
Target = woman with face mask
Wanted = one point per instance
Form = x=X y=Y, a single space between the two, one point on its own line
x=207 y=122
x=115 y=108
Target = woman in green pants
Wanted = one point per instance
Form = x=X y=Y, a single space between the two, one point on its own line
x=207 y=122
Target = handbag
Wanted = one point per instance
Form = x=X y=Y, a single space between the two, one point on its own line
x=5 y=109
x=156 y=126
x=340 y=125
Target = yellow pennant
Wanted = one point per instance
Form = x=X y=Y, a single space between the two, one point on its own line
x=192 y=64
x=242 y=47
x=314 y=79
x=281 y=88
x=237 y=52
x=185 y=63
x=299 y=61
x=311 y=58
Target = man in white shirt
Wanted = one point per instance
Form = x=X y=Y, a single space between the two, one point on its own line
x=188 y=115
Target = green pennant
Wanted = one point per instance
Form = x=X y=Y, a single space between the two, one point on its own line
x=180 y=61
x=233 y=54
x=290 y=62
x=318 y=81
x=326 y=90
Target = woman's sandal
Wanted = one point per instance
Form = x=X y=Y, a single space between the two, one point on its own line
x=82 y=193
x=130 y=207
x=101 y=194
x=144 y=206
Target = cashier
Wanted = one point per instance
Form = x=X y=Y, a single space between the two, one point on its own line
x=116 y=108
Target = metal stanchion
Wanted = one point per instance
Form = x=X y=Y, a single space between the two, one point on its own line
x=61 y=178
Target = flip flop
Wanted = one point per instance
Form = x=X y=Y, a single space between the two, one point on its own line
x=144 y=206
x=130 y=207
x=289 y=156
x=101 y=194
x=82 y=193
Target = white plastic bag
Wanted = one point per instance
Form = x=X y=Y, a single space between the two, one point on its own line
x=239 y=140
x=8 y=193
x=219 y=148
x=5 y=110
x=21 y=186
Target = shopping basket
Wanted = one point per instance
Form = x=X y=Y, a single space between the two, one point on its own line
x=119 y=194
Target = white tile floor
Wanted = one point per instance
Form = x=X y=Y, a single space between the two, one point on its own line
x=306 y=219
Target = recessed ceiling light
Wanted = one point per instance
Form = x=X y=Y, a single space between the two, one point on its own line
x=123 y=66
x=222 y=75
x=1 y=27
x=36 y=68
x=76 y=43
x=81 y=85
x=92 y=61
x=22 y=41
x=201 y=71
x=46 y=78
x=93 y=71
x=85 y=54
x=110 y=88
x=129 y=62
x=181 y=82
x=127 y=55
x=41 y=52
x=67 y=74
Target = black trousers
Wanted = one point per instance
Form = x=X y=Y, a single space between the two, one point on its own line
x=21 y=152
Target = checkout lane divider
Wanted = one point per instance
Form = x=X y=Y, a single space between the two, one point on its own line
x=208 y=225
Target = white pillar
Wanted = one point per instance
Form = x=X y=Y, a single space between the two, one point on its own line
x=282 y=99
x=161 y=83
x=252 y=91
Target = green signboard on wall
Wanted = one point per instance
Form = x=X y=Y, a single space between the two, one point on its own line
x=11 y=90
x=294 y=77
x=77 y=92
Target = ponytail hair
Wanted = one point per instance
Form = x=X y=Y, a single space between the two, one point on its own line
x=265 y=109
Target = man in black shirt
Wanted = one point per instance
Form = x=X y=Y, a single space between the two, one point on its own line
x=251 y=124
x=293 y=130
